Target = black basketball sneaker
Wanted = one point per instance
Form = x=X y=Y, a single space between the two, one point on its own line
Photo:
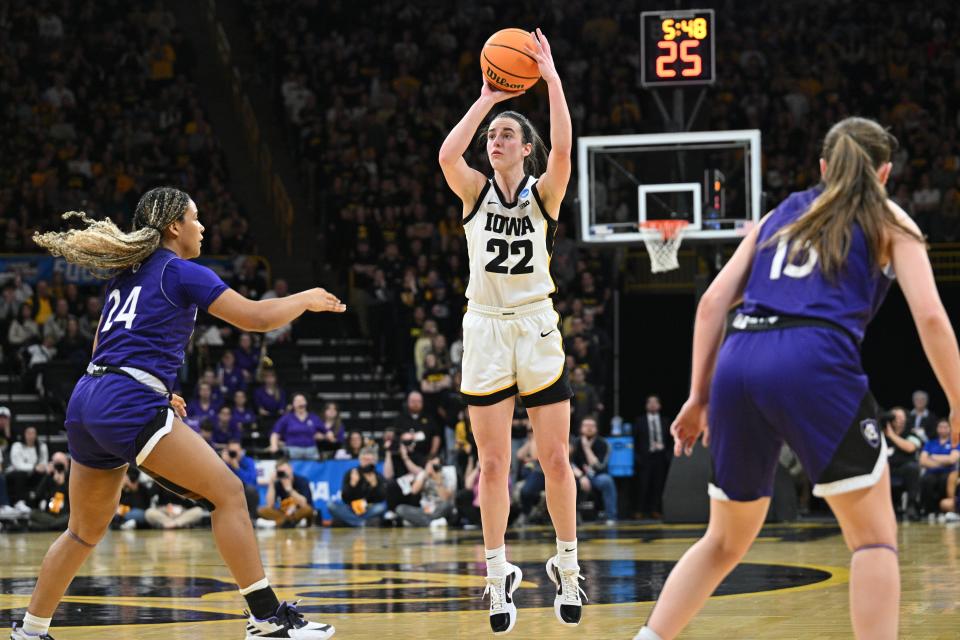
x=503 y=611
x=567 y=604
x=287 y=622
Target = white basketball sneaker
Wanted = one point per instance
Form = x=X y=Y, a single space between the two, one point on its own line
x=19 y=634
x=503 y=611
x=287 y=622
x=567 y=604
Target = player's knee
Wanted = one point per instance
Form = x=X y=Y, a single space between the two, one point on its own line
x=727 y=549
x=494 y=467
x=227 y=493
x=555 y=462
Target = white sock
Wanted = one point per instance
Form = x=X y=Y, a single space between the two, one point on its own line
x=567 y=554
x=646 y=633
x=256 y=586
x=496 y=561
x=34 y=626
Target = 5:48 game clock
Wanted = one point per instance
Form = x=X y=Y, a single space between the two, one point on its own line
x=677 y=48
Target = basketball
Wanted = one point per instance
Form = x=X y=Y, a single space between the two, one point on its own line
x=505 y=62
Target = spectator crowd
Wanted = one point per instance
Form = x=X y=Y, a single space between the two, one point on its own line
x=99 y=103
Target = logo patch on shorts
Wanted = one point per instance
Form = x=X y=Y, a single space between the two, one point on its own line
x=870 y=431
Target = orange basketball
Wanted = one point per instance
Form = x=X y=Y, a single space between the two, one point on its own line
x=505 y=62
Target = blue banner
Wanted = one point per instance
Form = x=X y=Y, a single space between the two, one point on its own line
x=324 y=477
x=621 y=456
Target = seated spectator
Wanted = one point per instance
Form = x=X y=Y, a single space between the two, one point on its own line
x=921 y=419
x=289 y=500
x=6 y=430
x=23 y=331
x=363 y=493
x=56 y=325
x=950 y=505
x=28 y=466
x=242 y=415
x=246 y=355
x=37 y=356
x=401 y=465
x=203 y=408
x=135 y=498
x=530 y=478
x=434 y=383
x=938 y=459
x=209 y=376
x=90 y=319
x=230 y=377
x=73 y=346
x=586 y=400
x=903 y=446
x=52 y=510
x=270 y=399
x=590 y=457
x=245 y=469
x=206 y=432
x=297 y=432
x=436 y=492
x=331 y=428
x=172 y=511
x=468 y=498
x=425 y=431
x=351 y=448
x=225 y=429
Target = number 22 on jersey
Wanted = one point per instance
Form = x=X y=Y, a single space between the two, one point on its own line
x=126 y=313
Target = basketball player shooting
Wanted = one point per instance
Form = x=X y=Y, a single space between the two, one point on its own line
x=511 y=337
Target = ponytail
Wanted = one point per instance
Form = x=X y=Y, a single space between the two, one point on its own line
x=536 y=162
x=106 y=250
x=853 y=150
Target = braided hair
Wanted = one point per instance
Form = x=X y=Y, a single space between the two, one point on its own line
x=106 y=250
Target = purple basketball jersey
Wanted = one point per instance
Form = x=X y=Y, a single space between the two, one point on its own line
x=778 y=287
x=150 y=312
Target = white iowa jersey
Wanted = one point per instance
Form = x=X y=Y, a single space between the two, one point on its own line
x=509 y=243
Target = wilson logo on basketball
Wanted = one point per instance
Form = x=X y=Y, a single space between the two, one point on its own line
x=500 y=81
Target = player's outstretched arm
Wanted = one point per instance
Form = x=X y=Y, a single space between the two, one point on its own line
x=712 y=310
x=465 y=181
x=915 y=275
x=267 y=315
x=553 y=183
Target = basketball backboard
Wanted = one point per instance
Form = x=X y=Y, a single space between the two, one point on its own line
x=709 y=178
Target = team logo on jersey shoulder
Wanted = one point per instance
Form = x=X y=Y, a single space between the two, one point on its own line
x=871 y=432
x=525 y=192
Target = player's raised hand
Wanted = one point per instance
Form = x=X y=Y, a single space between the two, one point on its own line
x=322 y=300
x=689 y=424
x=544 y=57
x=496 y=95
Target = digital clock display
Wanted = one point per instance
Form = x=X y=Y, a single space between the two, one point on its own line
x=677 y=47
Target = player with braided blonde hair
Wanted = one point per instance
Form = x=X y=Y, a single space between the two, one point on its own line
x=122 y=412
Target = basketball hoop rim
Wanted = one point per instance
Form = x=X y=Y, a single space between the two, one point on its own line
x=666 y=229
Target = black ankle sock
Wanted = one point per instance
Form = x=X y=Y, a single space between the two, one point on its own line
x=263 y=603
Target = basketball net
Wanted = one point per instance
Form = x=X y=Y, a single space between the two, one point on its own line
x=662 y=241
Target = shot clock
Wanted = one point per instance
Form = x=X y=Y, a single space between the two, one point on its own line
x=677 y=48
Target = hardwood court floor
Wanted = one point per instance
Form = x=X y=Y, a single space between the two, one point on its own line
x=409 y=583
